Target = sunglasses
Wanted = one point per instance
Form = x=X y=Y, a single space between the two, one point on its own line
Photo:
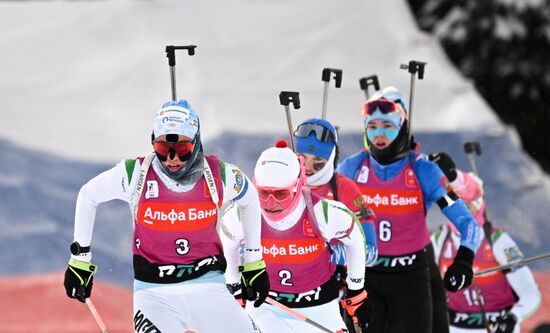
x=384 y=105
x=322 y=134
x=278 y=194
x=183 y=149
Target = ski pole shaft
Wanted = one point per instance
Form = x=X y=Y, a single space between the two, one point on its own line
x=414 y=68
x=325 y=77
x=96 y=315
x=325 y=98
x=471 y=148
x=298 y=315
x=513 y=264
x=290 y=128
x=481 y=302
x=171 y=55
x=285 y=98
x=473 y=164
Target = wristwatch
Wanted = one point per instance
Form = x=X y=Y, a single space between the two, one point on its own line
x=76 y=249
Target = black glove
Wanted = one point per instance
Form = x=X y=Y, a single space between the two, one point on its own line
x=79 y=278
x=356 y=305
x=255 y=282
x=446 y=164
x=507 y=323
x=237 y=291
x=460 y=274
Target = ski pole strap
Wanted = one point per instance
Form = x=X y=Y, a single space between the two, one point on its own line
x=85 y=266
x=353 y=303
x=252 y=266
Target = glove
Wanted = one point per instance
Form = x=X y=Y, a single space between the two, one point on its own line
x=446 y=164
x=79 y=278
x=507 y=323
x=460 y=274
x=255 y=282
x=237 y=291
x=356 y=305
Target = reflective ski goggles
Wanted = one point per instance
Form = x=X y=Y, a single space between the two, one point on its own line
x=321 y=133
x=277 y=193
x=384 y=105
x=183 y=149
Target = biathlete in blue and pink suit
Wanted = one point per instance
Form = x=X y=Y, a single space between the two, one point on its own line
x=400 y=185
x=296 y=228
x=175 y=194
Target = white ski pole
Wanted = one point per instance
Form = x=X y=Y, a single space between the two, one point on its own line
x=96 y=315
x=285 y=98
x=171 y=54
x=366 y=82
x=513 y=264
x=299 y=315
x=470 y=148
x=325 y=77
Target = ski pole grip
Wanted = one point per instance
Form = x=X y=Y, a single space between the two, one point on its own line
x=415 y=67
x=287 y=97
x=366 y=82
x=171 y=52
x=472 y=147
x=337 y=76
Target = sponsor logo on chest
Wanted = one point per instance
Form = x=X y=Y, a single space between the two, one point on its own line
x=292 y=251
x=393 y=201
x=175 y=216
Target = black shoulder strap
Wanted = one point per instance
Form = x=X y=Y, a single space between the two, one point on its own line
x=334 y=186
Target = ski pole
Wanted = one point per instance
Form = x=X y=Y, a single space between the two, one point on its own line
x=285 y=98
x=366 y=82
x=413 y=67
x=513 y=264
x=97 y=318
x=470 y=148
x=326 y=78
x=171 y=54
x=299 y=315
